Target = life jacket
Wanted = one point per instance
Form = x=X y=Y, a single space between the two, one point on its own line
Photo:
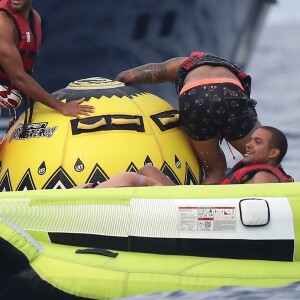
x=237 y=173
x=198 y=59
x=30 y=42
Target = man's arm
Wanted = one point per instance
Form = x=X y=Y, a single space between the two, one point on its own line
x=11 y=62
x=152 y=73
x=263 y=177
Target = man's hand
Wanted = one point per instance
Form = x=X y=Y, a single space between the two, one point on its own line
x=74 y=109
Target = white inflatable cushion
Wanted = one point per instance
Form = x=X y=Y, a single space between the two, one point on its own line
x=254 y=212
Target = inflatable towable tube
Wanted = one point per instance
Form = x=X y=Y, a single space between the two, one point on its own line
x=253 y=224
x=111 y=243
x=236 y=221
x=36 y=268
x=129 y=129
x=266 y=219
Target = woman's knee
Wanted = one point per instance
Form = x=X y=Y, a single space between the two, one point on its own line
x=146 y=170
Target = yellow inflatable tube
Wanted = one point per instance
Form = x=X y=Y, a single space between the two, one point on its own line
x=66 y=272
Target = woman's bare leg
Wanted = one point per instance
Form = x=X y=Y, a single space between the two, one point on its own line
x=128 y=179
x=211 y=158
x=240 y=145
x=155 y=174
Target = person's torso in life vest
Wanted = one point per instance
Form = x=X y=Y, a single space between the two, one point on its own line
x=30 y=35
x=198 y=59
x=240 y=173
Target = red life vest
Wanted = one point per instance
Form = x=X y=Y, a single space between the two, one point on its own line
x=236 y=174
x=30 y=42
x=198 y=59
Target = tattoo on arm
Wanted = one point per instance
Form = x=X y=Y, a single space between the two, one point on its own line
x=150 y=73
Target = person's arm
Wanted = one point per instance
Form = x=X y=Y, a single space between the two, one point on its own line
x=263 y=177
x=152 y=73
x=11 y=62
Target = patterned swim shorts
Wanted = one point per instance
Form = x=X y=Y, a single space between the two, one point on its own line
x=220 y=108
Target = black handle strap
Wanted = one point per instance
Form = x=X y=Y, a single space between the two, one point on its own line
x=98 y=251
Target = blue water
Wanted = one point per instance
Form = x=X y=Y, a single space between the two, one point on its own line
x=289 y=292
x=275 y=70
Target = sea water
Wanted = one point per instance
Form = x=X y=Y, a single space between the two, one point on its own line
x=275 y=70
x=290 y=292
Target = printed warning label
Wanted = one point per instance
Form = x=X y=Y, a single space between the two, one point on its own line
x=206 y=218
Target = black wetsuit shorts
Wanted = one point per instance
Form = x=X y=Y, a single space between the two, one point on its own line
x=216 y=107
